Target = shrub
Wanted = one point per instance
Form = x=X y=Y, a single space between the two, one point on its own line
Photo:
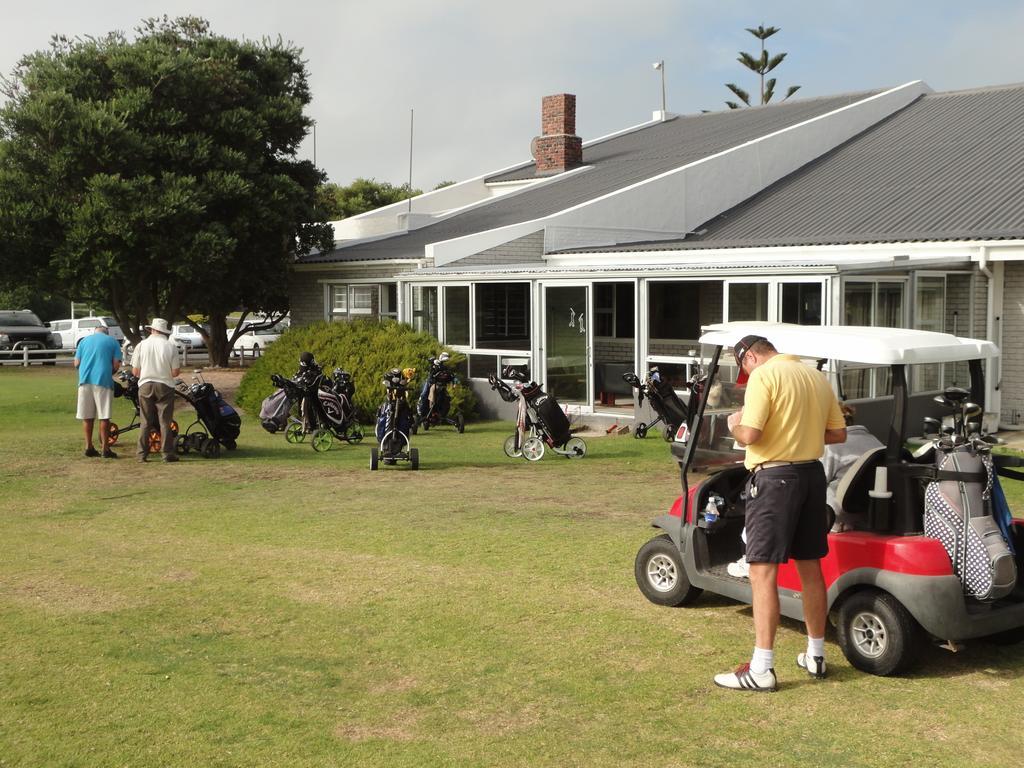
x=364 y=348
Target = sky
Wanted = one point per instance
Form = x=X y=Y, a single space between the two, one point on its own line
x=475 y=71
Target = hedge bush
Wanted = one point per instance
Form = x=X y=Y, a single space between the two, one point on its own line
x=364 y=348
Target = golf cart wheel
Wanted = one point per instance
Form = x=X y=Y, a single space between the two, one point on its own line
x=356 y=437
x=294 y=433
x=112 y=434
x=877 y=634
x=374 y=458
x=510 y=448
x=660 y=573
x=641 y=431
x=575 y=448
x=322 y=440
x=211 y=449
x=533 y=449
x=414 y=458
x=460 y=423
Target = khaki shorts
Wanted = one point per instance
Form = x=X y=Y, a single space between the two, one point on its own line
x=94 y=401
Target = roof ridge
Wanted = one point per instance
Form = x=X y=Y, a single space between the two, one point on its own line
x=978 y=89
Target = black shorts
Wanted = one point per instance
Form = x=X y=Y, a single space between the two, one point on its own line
x=786 y=515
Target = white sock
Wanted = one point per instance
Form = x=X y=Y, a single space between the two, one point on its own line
x=815 y=646
x=762 y=661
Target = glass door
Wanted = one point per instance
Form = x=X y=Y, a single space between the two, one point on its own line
x=567 y=343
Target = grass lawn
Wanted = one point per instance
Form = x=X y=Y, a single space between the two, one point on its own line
x=283 y=607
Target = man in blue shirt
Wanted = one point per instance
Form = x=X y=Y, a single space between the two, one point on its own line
x=97 y=359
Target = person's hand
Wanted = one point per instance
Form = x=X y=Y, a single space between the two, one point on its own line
x=734 y=419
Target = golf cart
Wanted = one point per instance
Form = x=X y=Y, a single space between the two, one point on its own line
x=889 y=585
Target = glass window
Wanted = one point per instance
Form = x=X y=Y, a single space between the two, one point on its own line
x=339 y=301
x=424 y=308
x=482 y=366
x=389 y=300
x=748 y=301
x=502 y=315
x=361 y=299
x=456 y=315
x=878 y=304
x=889 y=311
x=613 y=310
x=801 y=303
x=89 y=322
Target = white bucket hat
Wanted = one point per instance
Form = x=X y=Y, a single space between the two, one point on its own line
x=159 y=324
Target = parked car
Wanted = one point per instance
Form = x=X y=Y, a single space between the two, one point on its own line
x=187 y=336
x=127 y=348
x=72 y=331
x=890 y=584
x=253 y=342
x=21 y=329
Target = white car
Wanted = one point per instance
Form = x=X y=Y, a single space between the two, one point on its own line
x=74 y=330
x=187 y=336
x=253 y=342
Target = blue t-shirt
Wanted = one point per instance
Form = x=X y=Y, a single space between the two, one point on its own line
x=96 y=352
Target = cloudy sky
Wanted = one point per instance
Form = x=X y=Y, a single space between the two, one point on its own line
x=475 y=70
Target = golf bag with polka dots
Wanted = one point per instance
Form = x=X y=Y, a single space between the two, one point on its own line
x=958 y=512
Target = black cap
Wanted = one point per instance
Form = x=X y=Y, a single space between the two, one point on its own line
x=744 y=344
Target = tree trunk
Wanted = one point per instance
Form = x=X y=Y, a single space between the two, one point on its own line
x=217 y=342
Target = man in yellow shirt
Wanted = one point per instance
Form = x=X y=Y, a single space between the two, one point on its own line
x=789 y=413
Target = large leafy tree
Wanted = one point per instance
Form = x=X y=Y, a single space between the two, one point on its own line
x=158 y=175
x=362 y=195
x=761 y=66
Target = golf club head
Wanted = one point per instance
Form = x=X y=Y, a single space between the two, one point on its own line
x=972 y=410
x=973 y=428
x=931 y=427
x=955 y=395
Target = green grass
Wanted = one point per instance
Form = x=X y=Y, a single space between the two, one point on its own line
x=283 y=607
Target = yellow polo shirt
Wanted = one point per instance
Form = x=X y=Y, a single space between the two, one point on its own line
x=792 y=404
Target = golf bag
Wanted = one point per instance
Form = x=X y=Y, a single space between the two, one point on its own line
x=958 y=512
x=274 y=411
x=394 y=413
x=222 y=422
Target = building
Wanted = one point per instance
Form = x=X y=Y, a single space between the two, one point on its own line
x=900 y=207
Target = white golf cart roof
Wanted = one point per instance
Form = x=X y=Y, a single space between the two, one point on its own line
x=854 y=343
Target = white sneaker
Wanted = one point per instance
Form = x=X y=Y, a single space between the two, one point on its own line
x=740 y=569
x=815 y=665
x=742 y=679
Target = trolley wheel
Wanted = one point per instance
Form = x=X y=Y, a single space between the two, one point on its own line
x=533 y=449
x=641 y=431
x=510 y=448
x=322 y=440
x=211 y=449
x=414 y=458
x=181 y=445
x=197 y=441
x=460 y=423
x=356 y=436
x=669 y=434
x=153 y=440
x=576 y=448
x=294 y=433
x=425 y=423
x=374 y=458
x=112 y=434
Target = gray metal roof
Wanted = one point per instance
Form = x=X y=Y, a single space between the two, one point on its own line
x=950 y=166
x=616 y=163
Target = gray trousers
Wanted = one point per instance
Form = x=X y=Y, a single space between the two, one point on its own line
x=156 y=410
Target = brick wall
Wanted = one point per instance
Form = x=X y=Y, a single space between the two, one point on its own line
x=1013 y=343
x=529 y=248
x=613 y=350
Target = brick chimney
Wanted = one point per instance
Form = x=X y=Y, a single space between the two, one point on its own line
x=558 y=148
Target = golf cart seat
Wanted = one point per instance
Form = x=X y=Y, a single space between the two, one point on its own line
x=852 y=492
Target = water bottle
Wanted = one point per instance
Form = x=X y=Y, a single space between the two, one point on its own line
x=711 y=510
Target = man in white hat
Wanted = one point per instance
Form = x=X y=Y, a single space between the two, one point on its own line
x=155 y=362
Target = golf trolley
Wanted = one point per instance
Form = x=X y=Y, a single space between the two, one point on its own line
x=128 y=388
x=661 y=395
x=435 y=402
x=925 y=555
x=324 y=405
x=540 y=421
x=216 y=424
x=394 y=423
